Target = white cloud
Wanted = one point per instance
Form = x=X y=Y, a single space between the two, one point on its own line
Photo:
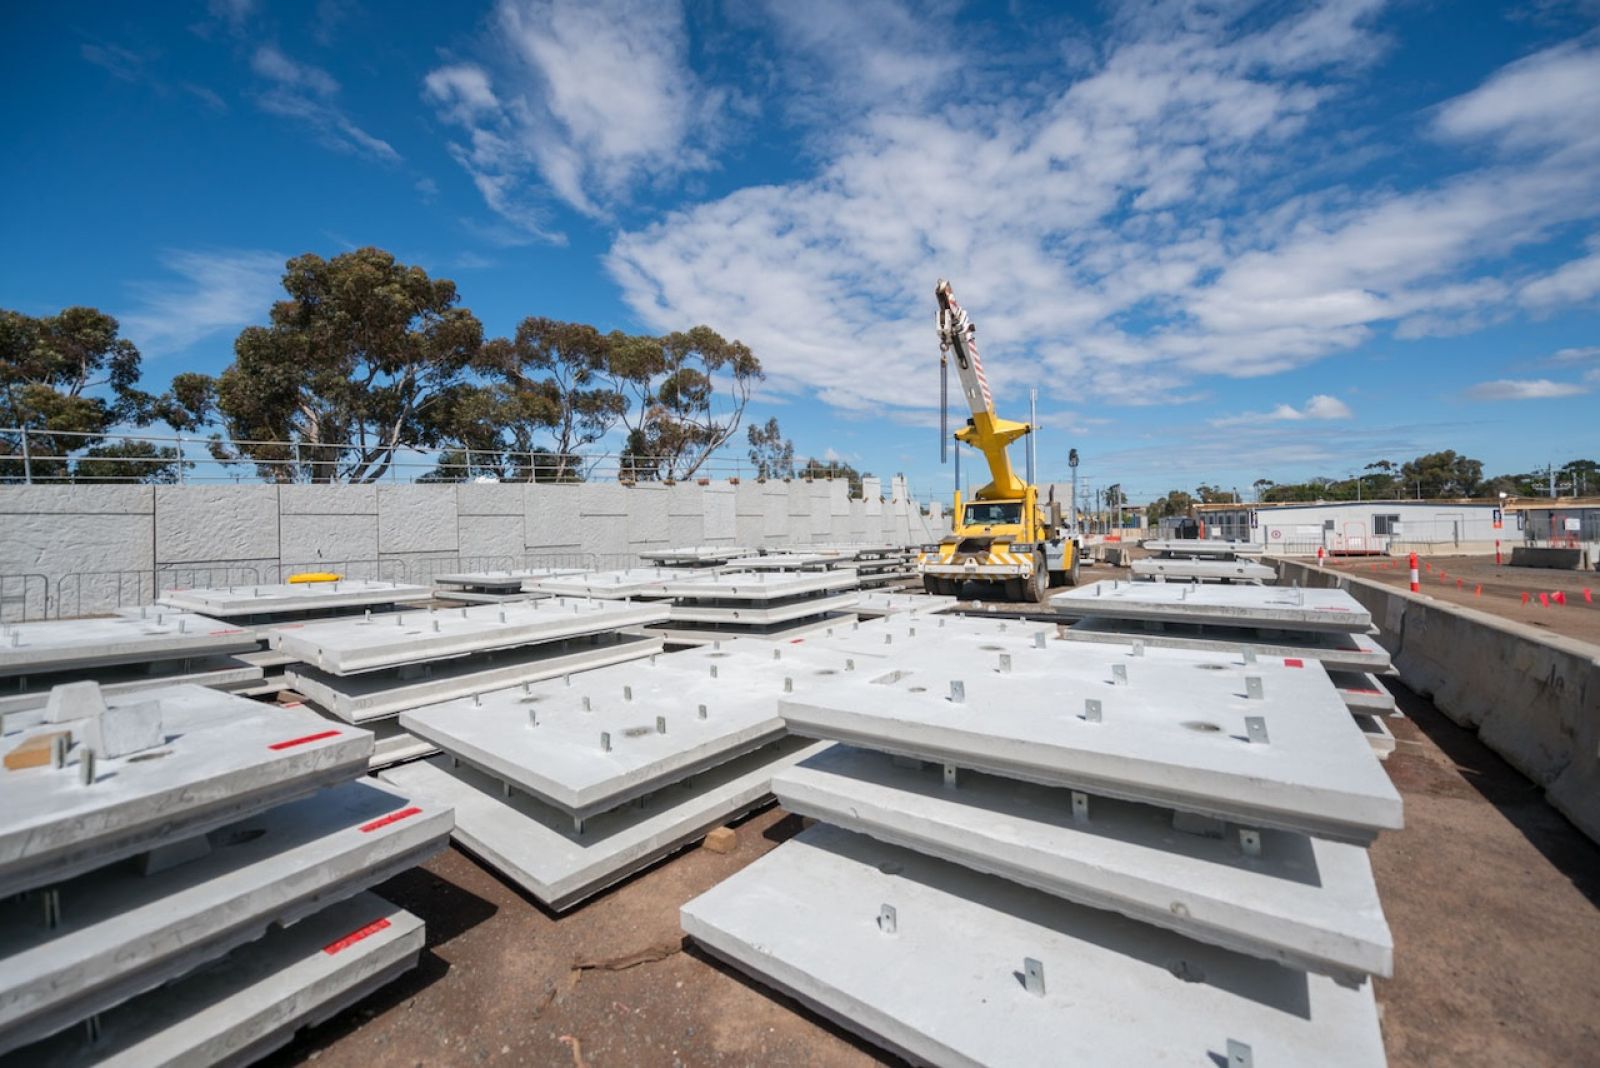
x=1577 y=355
x=1122 y=235
x=1525 y=389
x=1320 y=407
x=1574 y=282
x=1550 y=98
x=308 y=94
x=214 y=291
x=595 y=98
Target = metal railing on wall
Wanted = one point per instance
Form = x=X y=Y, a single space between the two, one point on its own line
x=34 y=456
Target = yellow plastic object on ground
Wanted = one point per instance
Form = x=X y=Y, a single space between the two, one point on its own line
x=315 y=576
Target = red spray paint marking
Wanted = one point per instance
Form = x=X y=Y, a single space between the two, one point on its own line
x=355 y=936
x=292 y=742
x=393 y=817
x=1292 y=662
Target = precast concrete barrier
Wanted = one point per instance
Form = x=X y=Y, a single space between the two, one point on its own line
x=1534 y=698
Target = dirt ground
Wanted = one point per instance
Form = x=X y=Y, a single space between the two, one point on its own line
x=1478 y=582
x=1492 y=897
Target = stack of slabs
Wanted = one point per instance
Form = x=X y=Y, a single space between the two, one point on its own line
x=695 y=556
x=626 y=584
x=250 y=606
x=1326 y=626
x=186 y=872
x=367 y=670
x=806 y=559
x=875 y=604
x=1033 y=845
x=568 y=786
x=496 y=587
x=1203 y=561
x=883 y=565
x=125 y=653
x=773 y=605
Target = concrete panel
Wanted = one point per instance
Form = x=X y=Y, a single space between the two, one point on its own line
x=872 y=495
x=135 y=638
x=1249 y=606
x=774 y=511
x=310 y=539
x=720 y=511
x=756 y=585
x=195 y=523
x=1304 y=902
x=246 y=1006
x=76 y=500
x=839 y=497
x=347 y=646
x=492 y=536
x=417 y=519
x=603 y=499
x=327 y=500
x=227 y=757
x=1203 y=570
x=562 y=759
x=123 y=932
x=821 y=509
x=879 y=603
x=683 y=502
x=609 y=585
x=45 y=554
x=1362 y=692
x=761 y=613
x=701 y=634
x=214 y=672
x=486 y=498
x=1332 y=650
x=947 y=985
x=536 y=847
x=1173 y=730
x=245 y=602
x=647 y=516
x=1202 y=548
x=553 y=519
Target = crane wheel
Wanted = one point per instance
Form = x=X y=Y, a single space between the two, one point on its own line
x=1072 y=572
x=1036 y=587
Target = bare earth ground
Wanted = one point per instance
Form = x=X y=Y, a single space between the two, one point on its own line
x=1502 y=588
x=1492 y=897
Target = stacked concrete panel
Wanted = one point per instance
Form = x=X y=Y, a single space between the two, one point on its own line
x=1326 y=626
x=125 y=653
x=875 y=604
x=293 y=601
x=1037 y=844
x=1203 y=560
x=618 y=585
x=772 y=605
x=567 y=786
x=372 y=668
x=239 y=819
x=496 y=587
x=694 y=556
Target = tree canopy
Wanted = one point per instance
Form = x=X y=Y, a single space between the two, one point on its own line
x=675 y=424
x=365 y=356
x=69 y=379
x=771 y=453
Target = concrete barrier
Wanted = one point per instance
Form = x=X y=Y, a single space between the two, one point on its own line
x=1540 y=556
x=1533 y=697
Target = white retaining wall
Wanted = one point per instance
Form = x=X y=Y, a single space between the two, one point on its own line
x=69 y=550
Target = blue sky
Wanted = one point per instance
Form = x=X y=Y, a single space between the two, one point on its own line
x=1224 y=241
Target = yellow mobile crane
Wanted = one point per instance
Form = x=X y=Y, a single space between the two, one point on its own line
x=1004 y=534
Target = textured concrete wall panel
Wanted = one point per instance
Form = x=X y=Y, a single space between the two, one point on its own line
x=647 y=516
x=491 y=542
x=328 y=500
x=417 y=519
x=81 y=500
x=774 y=510
x=872 y=493
x=603 y=499
x=552 y=517
x=311 y=538
x=489 y=498
x=719 y=502
x=216 y=523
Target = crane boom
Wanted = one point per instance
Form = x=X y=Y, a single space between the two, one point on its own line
x=985 y=430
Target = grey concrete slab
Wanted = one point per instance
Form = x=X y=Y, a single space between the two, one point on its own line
x=512 y=581
x=1203 y=570
x=243 y=602
x=535 y=846
x=946 y=982
x=253 y=1001
x=563 y=759
x=77 y=645
x=1378 y=734
x=362 y=644
x=1229 y=606
x=642 y=582
x=1335 y=651
x=787 y=561
x=757 y=586
x=699 y=634
x=760 y=612
x=226 y=673
x=226 y=758
x=1363 y=692
x=880 y=603
x=1198 y=548
x=392 y=744
x=1174 y=727
x=122 y=932
x=1305 y=902
x=374 y=695
x=695 y=555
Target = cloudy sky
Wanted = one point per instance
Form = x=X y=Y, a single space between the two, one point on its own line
x=1223 y=241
